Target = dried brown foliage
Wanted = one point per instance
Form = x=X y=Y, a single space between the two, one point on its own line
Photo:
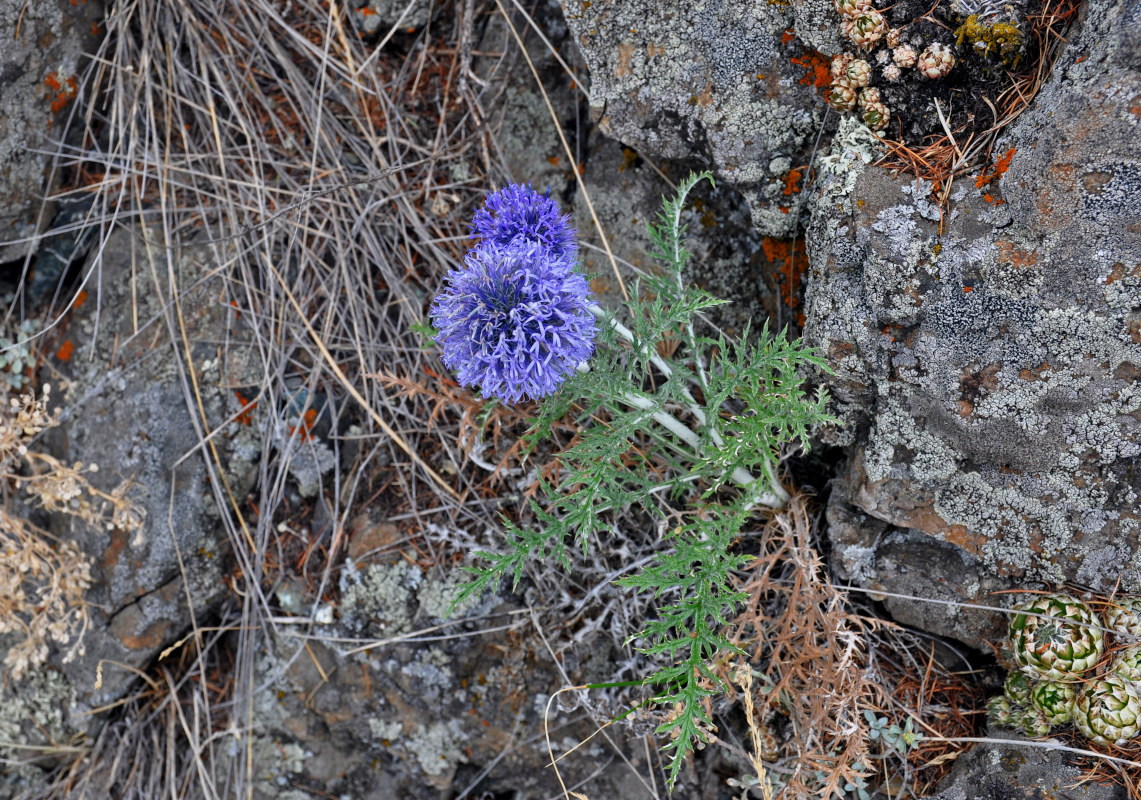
x=826 y=664
x=42 y=581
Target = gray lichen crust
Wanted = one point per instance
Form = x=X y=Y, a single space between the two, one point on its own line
x=987 y=355
x=712 y=77
x=41 y=57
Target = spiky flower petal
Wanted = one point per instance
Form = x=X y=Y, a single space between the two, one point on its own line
x=1017 y=689
x=936 y=61
x=1108 y=711
x=1124 y=615
x=514 y=321
x=1055 y=700
x=1127 y=663
x=519 y=212
x=1055 y=636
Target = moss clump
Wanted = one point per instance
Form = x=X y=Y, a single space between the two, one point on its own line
x=1001 y=40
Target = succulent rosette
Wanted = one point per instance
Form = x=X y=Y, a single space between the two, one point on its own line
x=869 y=95
x=1124 y=616
x=850 y=8
x=1002 y=712
x=1017 y=689
x=1127 y=663
x=858 y=73
x=904 y=56
x=840 y=65
x=1055 y=700
x=936 y=61
x=1055 y=637
x=1034 y=724
x=841 y=96
x=865 y=29
x=1108 y=711
x=876 y=116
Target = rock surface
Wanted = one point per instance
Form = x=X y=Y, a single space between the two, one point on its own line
x=997 y=771
x=986 y=359
x=127 y=411
x=723 y=83
x=41 y=57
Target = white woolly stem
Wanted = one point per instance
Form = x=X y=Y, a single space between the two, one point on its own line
x=775 y=497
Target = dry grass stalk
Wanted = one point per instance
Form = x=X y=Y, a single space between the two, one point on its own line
x=812 y=648
x=328 y=177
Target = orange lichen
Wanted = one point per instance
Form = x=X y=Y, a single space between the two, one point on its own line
x=787 y=36
x=244 y=418
x=65 y=350
x=792 y=181
x=818 y=69
x=80 y=298
x=307 y=421
x=61 y=90
x=553 y=161
x=791 y=263
x=999 y=169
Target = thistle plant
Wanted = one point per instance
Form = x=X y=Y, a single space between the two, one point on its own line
x=696 y=434
x=515 y=320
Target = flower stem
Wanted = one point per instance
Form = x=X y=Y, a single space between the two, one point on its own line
x=775 y=497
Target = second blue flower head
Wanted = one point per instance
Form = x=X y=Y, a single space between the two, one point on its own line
x=515 y=320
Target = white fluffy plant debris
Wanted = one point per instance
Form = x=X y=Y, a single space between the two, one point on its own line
x=42 y=579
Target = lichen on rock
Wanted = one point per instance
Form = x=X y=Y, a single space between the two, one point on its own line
x=986 y=352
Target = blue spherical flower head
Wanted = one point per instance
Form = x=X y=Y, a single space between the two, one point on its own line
x=519 y=212
x=514 y=321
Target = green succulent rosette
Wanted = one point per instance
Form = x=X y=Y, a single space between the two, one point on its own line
x=1017 y=689
x=1002 y=712
x=1124 y=615
x=1108 y=711
x=1034 y=724
x=1055 y=701
x=1055 y=637
x=1127 y=663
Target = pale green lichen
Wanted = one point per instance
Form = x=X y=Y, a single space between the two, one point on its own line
x=385 y=731
x=32 y=713
x=932 y=459
x=436 y=597
x=437 y=747
x=379 y=597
